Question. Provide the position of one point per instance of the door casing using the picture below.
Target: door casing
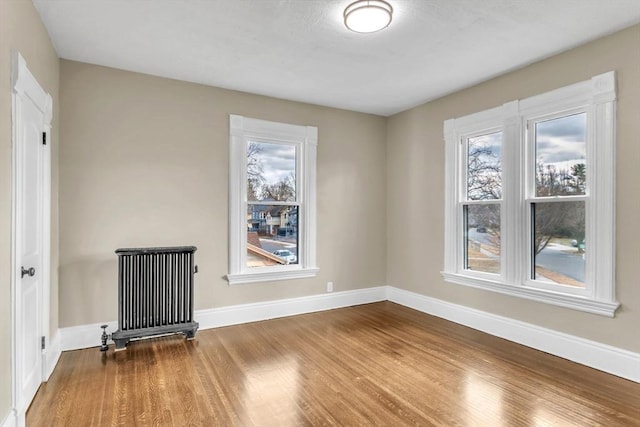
(25, 86)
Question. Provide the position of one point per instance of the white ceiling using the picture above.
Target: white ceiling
(300, 49)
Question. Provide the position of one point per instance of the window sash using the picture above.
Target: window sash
(530, 144)
(463, 253)
(585, 291)
(299, 173)
(465, 166)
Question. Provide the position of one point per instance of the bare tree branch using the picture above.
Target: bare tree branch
(484, 170)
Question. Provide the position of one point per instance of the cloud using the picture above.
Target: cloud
(560, 149)
(570, 128)
(561, 140)
(278, 161)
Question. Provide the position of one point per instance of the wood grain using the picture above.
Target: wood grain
(377, 364)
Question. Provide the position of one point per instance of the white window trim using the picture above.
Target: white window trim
(597, 96)
(305, 138)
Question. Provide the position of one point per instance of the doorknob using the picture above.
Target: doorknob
(29, 272)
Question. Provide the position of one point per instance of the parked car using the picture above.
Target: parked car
(285, 231)
(481, 229)
(287, 255)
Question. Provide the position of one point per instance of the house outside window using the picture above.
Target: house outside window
(530, 197)
(272, 226)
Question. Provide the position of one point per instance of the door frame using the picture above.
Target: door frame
(25, 86)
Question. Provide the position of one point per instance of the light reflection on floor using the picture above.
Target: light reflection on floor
(484, 401)
(271, 393)
(545, 418)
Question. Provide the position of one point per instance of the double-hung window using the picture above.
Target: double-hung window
(530, 197)
(272, 212)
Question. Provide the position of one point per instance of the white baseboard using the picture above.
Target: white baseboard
(9, 419)
(244, 313)
(616, 361)
(52, 355)
(85, 336)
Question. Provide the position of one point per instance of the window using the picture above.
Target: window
(271, 200)
(530, 197)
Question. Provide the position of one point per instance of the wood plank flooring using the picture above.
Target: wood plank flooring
(377, 364)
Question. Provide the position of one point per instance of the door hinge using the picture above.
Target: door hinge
(42, 346)
(44, 138)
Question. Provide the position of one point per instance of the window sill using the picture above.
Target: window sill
(269, 276)
(603, 308)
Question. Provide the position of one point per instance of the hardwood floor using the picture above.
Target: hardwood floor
(377, 364)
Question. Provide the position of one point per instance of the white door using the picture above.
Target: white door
(30, 224)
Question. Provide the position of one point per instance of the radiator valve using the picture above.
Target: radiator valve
(104, 338)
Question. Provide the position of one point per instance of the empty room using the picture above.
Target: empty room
(320, 212)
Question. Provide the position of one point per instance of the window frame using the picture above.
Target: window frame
(596, 97)
(242, 130)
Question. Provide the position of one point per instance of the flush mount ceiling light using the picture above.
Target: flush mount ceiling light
(368, 16)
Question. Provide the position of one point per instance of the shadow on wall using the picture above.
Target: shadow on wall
(88, 290)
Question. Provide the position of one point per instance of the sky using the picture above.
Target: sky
(562, 142)
(278, 161)
(559, 142)
(492, 141)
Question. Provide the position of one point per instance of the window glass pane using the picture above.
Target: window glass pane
(482, 226)
(558, 242)
(561, 156)
(271, 172)
(272, 235)
(484, 167)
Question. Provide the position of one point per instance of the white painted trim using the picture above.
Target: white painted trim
(84, 336)
(265, 276)
(52, 355)
(238, 314)
(616, 361)
(46, 240)
(24, 85)
(535, 294)
(512, 214)
(451, 176)
(305, 139)
(9, 419)
(597, 98)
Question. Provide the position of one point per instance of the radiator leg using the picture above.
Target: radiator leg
(191, 333)
(121, 343)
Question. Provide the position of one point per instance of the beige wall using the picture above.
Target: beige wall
(415, 202)
(144, 162)
(22, 30)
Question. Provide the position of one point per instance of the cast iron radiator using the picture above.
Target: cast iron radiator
(155, 293)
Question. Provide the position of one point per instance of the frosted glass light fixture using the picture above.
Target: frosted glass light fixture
(368, 16)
